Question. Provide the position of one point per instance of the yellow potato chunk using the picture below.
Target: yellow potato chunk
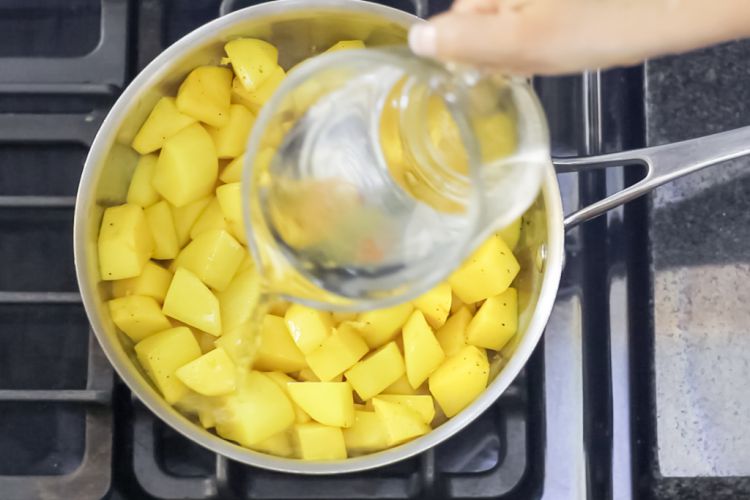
(229, 197)
(239, 299)
(319, 442)
(240, 343)
(511, 233)
(213, 374)
(435, 304)
(210, 219)
(187, 167)
(309, 327)
(495, 322)
(422, 351)
(279, 444)
(214, 256)
(340, 317)
(346, 45)
(258, 410)
(206, 94)
(152, 282)
(338, 353)
(255, 99)
(330, 403)
(140, 191)
(377, 371)
(230, 139)
(489, 271)
(206, 417)
(421, 404)
(164, 121)
(138, 316)
(233, 171)
(452, 335)
(125, 243)
(205, 340)
(161, 354)
(185, 216)
(277, 350)
(282, 379)
(161, 225)
(400, 386)
(253, 60)
(380, 326)
(190, 301)
(367, 434)
(460, 379)
(400, 422)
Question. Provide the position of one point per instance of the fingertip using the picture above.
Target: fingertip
(423, 39)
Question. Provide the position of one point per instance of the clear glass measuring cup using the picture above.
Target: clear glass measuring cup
(371, 174)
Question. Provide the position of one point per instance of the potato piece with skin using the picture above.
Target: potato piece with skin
(460, 379)
(230, 139)
(377, 371)
(152, 282)
(239, 299)
(282, 379)
(511, 233)
(489, 271)
(140, 191)
(279, 444)
(422, 351)
(435, 304)
(210, 219)
(161, 225)
(380, 326)
(233, 171)
(161, 354)
(400, 422)
(452, 335)
(330, 403)
(346, 45)
(319, 442)
(253, 60)
(367, 434)
(125, 243)
(206, 94)
(338, 353)
(138, 316)
(190, 301)
(214, 256)
(309, 327)
(255, 99)
(422, 405)
(277, 350)
(186, 216)
(212, 374)
(164, 121)
(495, 322)
(187, 167)
(258, 410)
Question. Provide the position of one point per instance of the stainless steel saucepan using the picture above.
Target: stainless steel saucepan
(299, 28)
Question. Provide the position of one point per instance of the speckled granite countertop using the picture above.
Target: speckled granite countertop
(700, 235)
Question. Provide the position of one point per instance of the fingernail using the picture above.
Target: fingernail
(423, 39)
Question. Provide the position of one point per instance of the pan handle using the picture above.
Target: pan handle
(663, 164)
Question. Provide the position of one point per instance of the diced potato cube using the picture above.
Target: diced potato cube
(125, 243)
(161, 354)
(190, 301)
(452, 335)
(340, 317)
(230, 139)
(239, 299)
(258, 410)
(422, 351)
(152, 282)
(319, 442)
(400, 386)
(381, 325)
(253, 60)
(460, 379)
(214, 256)
(330, 403)
(511, 233)
(213, 374)
(164, 121)
(161, 225)
(457, 304)
(377, 371)
(282, 379)
(367, 434)
(206, 94)
(309, 327)
(435, 304)
(186, 216)
(187, 167)
(307, 375)
(233, 171)
(489, 271)
(346, 45)
(240, 343)
(277, 350)
(140, 191)
(206, 417)
(338, 353)
(205, 341)
(279, 444)
(255, 99)
(400, 422)
(229, 197)
(495, 322)
(210, 219)
(138, 316)
(419, 403)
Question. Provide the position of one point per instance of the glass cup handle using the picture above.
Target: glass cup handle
(663, 164)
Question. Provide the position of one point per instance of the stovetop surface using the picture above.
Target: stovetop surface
(618, 401)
